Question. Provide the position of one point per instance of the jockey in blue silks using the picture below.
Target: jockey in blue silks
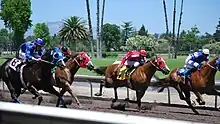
(194, 61)
(57, 55)
(32, 50)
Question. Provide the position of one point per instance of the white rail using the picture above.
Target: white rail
(33, 114)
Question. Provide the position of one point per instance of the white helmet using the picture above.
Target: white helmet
(205, 51)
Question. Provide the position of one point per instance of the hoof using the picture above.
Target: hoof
(114, 100)
(15, 101)
(193, 103)
(63, 106)
(98, 94)
(118, 106)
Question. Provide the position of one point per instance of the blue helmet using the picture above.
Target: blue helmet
(39, 42)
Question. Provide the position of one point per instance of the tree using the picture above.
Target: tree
(90, 28)
(217, 32)
(74, 29)
(30, 38)
(42, 31)
(126, 30)
(97, 31)
(102, 21)
(142, 31)
(16, 15)
(4, 39)
(191, 37)
(111, 36)
(138, 42)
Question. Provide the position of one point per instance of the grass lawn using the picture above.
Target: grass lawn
(172, 63)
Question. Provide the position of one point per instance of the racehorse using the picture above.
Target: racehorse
(34, 73)
(139, 80)
(202, 81)
(65, 77)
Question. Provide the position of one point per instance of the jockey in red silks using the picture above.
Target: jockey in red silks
(132, 60)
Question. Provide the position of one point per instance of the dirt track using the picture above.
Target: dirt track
(179, 112)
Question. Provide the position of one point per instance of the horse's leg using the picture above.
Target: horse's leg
(67, 88)
(139, 94)
(51, 90)
(61, 93)
(100, 89)
(116, 95)
(188, 100)
(199, 99)
(177, 87)
(12, 91)
(35, 93)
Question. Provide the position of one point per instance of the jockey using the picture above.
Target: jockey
(194, 60)
(59, 53)
(31, 50)
(133, 59)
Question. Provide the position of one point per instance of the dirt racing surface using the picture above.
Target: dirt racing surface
(159, 110)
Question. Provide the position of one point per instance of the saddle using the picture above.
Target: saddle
(125, 73)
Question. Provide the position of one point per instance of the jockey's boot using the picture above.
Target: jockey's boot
(128, 71)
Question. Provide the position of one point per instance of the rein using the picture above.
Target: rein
(211, 66)
(154, 65)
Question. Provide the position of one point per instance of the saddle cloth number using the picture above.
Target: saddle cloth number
(14, 63)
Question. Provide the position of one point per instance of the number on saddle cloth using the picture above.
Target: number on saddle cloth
(14, 63)
(182, 71)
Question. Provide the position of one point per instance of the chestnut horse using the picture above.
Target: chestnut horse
(65, 77)
(202, 81)
(139, 80)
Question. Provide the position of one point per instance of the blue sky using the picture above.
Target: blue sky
(203, 13)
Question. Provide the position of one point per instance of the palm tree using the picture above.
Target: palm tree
(180, 19)
(173, 37)
(167, 26)
(74, 28)
(97, 29)
(102, 19)
(127, 30)
(165, 14)
(90, 28)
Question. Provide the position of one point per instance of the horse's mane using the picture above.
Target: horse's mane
(47, 52)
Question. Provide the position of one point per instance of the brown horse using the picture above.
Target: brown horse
(202, 81)
(139, 79)
(64, 77)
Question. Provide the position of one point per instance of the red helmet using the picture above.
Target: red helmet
(143, 52)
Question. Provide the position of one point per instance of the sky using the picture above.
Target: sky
(202, 13)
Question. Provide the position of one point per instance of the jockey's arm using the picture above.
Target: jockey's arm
(28, 53)
(123, 60)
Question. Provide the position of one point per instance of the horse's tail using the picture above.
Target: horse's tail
(160, 84)
(100, 70)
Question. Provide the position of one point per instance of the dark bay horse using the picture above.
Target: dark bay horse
(202, 81)
(65, 77)
(139, 79)
(35, 73)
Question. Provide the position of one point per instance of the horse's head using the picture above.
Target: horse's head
(84, 61)
(160, 64)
